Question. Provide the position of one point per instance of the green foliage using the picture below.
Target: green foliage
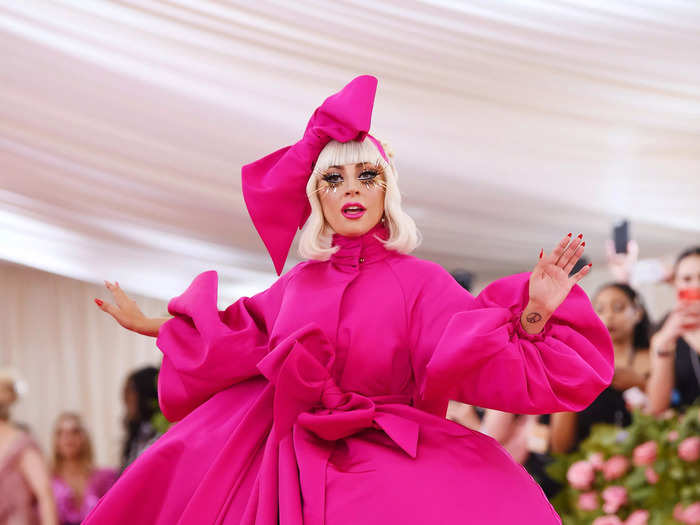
(160, 423)
(678, 480)
(158, 419)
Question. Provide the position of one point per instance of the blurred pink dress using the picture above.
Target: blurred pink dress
(322, 399)
(18, 505)
(98, 484)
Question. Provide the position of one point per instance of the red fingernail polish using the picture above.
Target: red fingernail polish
(99, 303)
(569, 235)
(583, 243)
(541, 252)
(590, 264)
(580, 236)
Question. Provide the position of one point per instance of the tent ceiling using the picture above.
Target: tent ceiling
(123, 126)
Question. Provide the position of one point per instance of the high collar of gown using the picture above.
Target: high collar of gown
(361, 250)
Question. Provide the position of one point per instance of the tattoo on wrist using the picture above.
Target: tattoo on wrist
(533, 317)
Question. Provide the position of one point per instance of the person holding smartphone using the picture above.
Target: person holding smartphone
(675, 347)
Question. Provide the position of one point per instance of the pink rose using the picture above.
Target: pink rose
(597, 460)
(691, 515)
(689, 449)
(673, 435)
(651, 475)
(607, 520)
(580, 475)
(588, 500)
(645, 454)
(669, 413)
(638, 517)
(615, 496)
(615, 467)
(679, 512)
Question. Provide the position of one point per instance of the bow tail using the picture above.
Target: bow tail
(313, 454)
(289, 489)
(292, 466)
(262, 508)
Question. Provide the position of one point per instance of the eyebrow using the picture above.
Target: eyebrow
(359, 164)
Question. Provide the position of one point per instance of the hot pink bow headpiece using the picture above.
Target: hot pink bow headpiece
(274, 187)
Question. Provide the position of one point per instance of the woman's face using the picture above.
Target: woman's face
(70, 438)
(688, 273)
(352, 197)
(617, 312)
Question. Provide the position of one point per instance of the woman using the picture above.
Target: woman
(620, 308)
(141, 403)
(323, 398)
(25, 486)
(675, 347)
(77, 484)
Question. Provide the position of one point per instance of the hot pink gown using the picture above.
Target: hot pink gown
(322, 399)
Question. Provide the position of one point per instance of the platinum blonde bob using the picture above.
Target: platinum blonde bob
(317, 235)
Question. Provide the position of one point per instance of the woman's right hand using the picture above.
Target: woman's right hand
(125, 310)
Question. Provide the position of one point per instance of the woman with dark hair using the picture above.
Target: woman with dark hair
(675, 347)
(620, 307)
(141, 401)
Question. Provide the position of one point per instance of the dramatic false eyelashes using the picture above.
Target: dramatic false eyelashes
(331, 178)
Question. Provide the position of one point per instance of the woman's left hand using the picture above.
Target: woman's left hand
(550, 282)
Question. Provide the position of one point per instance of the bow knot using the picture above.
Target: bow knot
(274, 187)
(306, 394)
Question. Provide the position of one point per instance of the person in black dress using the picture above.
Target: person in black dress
(675, 347)
(620, 308)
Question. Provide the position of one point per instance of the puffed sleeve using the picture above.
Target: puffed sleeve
(206, 350)
(476, 351)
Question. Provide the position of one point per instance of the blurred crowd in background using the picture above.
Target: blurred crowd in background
(657, 372)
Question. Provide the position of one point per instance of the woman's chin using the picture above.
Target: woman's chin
(351, 228)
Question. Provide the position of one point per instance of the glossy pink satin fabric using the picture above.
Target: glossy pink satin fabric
(321, 400)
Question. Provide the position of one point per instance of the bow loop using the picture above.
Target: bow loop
(306, 394)
(306, 399)
(274, 187)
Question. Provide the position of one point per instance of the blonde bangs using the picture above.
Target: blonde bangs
(353, 152)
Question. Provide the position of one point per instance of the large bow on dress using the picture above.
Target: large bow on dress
(274, 187)
(309, 413)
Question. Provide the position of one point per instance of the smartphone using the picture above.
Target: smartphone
(621, 236)
(689, 294)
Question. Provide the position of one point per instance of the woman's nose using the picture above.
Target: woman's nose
(353, 187)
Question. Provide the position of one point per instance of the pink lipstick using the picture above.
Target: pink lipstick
(353, 210)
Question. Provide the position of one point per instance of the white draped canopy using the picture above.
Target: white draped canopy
(123, 126)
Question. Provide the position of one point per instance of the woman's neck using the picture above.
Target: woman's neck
(623, 351)
(73, 467)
